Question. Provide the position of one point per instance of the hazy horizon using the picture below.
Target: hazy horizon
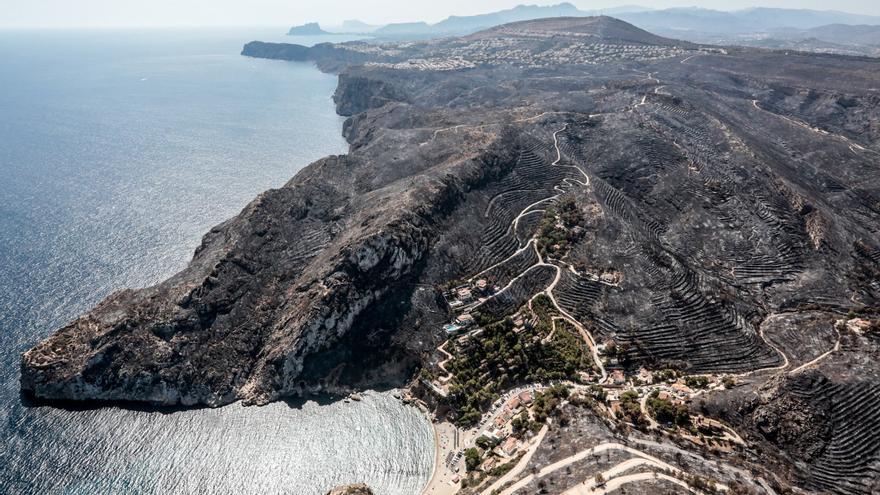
(20, 14)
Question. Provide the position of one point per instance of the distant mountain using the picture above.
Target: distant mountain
(621, 9)
(687, 20)
(815, 30)
(518, 13)
(462, 25)
(800, 19)
(842, 33)
(310, 29)
(356, 26)
(789, 29)
(698, 24)
(417, 29)
(689, 23)
(604, 28)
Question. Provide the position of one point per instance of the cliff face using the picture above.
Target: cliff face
(285, 278)
(358, 93)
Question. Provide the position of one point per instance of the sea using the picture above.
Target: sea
(118, 150)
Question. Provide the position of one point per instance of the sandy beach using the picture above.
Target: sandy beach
(441, 482)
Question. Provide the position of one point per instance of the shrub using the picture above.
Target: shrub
(668, 413)
(630, 407)
(485, 442)
(696, 381)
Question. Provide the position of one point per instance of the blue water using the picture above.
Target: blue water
(118, 150)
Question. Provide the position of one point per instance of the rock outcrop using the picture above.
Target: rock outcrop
(354, 489)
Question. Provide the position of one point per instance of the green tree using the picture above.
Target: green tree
(472, 459)
(520, 423)
(696, 381)
(485, 442)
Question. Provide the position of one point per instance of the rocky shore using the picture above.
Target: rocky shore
(285, 279)
(354, 489)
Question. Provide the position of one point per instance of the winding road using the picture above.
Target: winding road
(532, 243)
(616, 476)
(640, 458)
(853, 146)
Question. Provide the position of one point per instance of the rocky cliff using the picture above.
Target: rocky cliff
(285, 278)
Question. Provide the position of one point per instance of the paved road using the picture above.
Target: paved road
(589, 487)
(645, 458)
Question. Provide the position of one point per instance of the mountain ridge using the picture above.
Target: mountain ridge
(782, 28)
(604, 28)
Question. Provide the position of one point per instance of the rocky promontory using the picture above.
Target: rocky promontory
(308, 29)
(287, 277)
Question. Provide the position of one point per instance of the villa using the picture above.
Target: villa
(510, 446)
(464, 320)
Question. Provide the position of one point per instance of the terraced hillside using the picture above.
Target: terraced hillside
(823, 416)
(705, 211)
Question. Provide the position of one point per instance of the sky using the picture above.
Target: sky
(157, 13)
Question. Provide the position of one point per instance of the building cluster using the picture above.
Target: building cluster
(467, 295)
(437, 64)
(376, 49)
(518, 49)
(461, 299)
(501, 431)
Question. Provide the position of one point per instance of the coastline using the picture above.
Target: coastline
(136, 432)
(440, 481)
(437, 456)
